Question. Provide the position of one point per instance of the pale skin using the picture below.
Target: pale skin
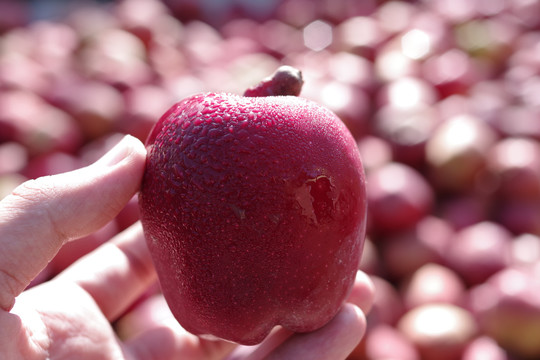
(71, 316)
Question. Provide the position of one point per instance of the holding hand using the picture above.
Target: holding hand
(70, 316)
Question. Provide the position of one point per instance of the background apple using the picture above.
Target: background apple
(440, 331)
(508, 309)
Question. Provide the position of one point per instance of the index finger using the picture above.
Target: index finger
(42, 214)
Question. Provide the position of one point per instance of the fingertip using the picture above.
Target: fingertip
(335, 340)
(128, 150)
(353, 319)
(363, 292)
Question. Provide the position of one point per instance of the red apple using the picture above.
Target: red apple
(254, 210)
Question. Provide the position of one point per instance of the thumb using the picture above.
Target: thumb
(42, 214)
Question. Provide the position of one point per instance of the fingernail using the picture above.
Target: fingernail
(118, 153)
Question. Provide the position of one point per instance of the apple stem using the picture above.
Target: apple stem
(286, 80)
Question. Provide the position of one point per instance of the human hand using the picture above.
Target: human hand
(72, 316)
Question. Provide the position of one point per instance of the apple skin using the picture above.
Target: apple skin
(254, 211)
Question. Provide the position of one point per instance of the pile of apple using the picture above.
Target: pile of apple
(443, 97)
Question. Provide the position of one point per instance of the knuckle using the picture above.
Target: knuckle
(35, 190)
(10, 287)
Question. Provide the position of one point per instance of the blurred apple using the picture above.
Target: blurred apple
(360, 35)
(508, 309)
(519, 216)
(392, 64)
(518, 120)
(465, 210)
(8, 183)
(152, 311)
(488, 98)
(452, 72)
(350, 103)
(489, 41)
(95, 106)
(525, 249)
(407, 130)
(96, 148)
(13, 14)
(116, 57)
(143, 107)
(129, 214)
(484, 348)
(18, 69)
(456, 153)
(50, 164)
(387, 305)
(369, 261)
(525, 11)
(515, 164)
(353, 69)
(395, 16)
(142, 18)
(385, 342)
(13, 157)
(37, 125)
(478, 251)
(75, 249)
(398, 197)
(375, 152)
(439, 331)
(407, 251)
(433, 283)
